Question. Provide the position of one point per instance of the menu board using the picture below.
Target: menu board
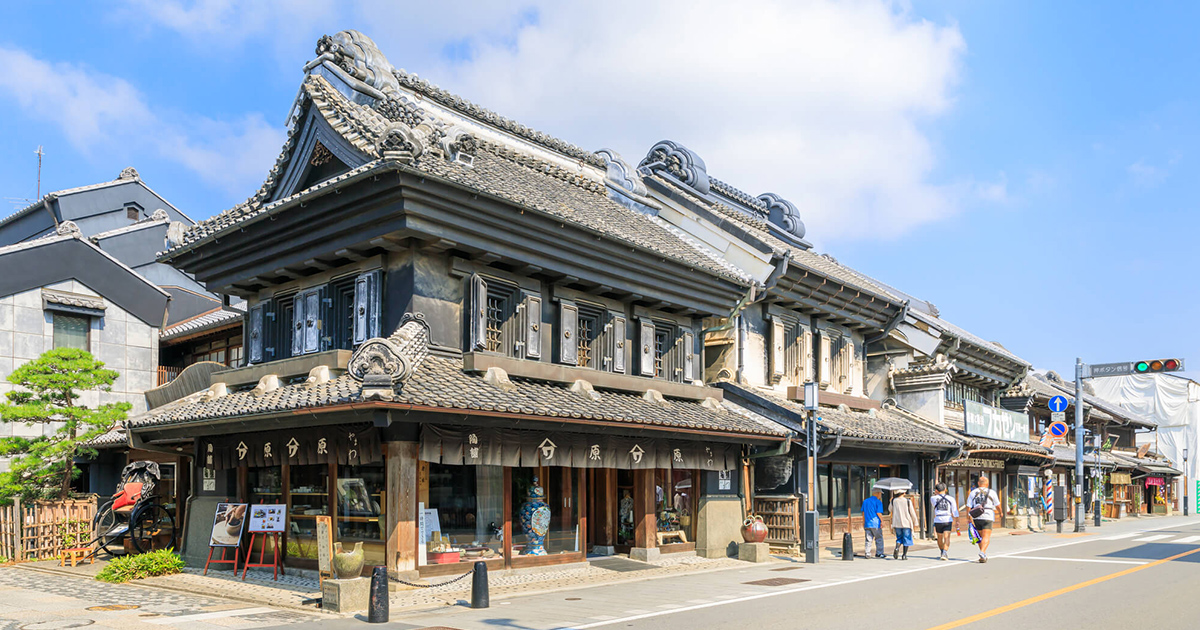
(227, 525)
(267, 517)
(325, 544)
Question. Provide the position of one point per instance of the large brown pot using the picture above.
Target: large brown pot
(754, 530)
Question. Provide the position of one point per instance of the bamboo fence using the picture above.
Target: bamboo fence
(42, 529)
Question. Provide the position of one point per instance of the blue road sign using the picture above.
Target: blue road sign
(1058, 403)
(1058, 429)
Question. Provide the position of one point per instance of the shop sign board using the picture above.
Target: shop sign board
(1154, 481)
(267, 518)
(325, 544)
(228, 523)
(996, 423)
(1120, 478)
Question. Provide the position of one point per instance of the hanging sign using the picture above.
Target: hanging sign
(1120, 478)
(1154, 481)
(228, 523)
(348, 445)
(324, 525)
(267, 518)
(996, 423)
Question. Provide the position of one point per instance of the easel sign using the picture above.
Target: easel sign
(228, 522)
(324, 547)
(266, 521)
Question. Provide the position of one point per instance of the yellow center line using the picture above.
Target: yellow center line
(1052, 594)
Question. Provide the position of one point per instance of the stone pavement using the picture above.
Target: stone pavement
(34, 599)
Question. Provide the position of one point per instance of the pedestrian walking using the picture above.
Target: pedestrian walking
(945, 515)
(981, 505)
(872, 507)
(904, 519)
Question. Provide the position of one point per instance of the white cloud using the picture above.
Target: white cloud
(103, 115)
(1145, 174)
(820, 102)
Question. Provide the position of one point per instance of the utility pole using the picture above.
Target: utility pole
(39, 153)
(1079, 526)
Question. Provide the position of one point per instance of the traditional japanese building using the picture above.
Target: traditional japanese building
(451, 323)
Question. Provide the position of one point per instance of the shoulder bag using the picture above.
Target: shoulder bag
(980, 502)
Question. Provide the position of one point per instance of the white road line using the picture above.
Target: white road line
(236, 612)
(1077, 560)
(1154, 538)
(813, 587)
(1123, 536)
(1188, 539)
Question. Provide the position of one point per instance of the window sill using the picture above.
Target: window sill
(337, 360)
(566, 374)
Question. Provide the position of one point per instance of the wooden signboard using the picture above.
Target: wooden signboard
(324, 547)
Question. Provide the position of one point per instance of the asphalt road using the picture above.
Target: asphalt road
(1088, 582)
(1119, 576)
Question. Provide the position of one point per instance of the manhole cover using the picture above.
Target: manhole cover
(776, 582)
(787, 568)
(57, 624)
(108, 607)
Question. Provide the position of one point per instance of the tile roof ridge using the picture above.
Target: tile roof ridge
(530, 161)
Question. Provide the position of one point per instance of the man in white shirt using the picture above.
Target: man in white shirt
(985, 499)
(945, 510)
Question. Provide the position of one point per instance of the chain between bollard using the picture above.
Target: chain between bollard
(457, 579)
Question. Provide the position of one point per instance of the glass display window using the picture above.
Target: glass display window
(676, 504)
(545, 512)
(361, 501)
(464, 517)
(309, 498)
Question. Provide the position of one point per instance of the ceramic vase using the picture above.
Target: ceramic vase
(348, 564)
(754, 530)
(535, 520)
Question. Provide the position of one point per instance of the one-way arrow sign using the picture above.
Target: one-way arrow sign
(1058, 404)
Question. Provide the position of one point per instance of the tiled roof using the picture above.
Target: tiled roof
(498, 170)
(954, 427)
(73, 299)
(967, 336)
(126, 176)
(216, 318)
(51, 239)
(132, 227)
(1062, 387)
(114, 437)
(440, 382)
(881, 424)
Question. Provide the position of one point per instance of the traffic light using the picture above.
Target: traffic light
(1153, 366)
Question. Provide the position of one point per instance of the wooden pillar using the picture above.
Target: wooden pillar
(644, 518)
(401, 505)
(606, 501)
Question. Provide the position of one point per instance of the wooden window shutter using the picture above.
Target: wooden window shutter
(326, 317)
(778, 347)
(367, 299)
(616, 341)
(255, 334)
(824, 358)
(312, 321)
(852, 377)
(531, 323)
(477, 313)
(568, 332)
(806, 355)
(688, 339)
(646, 346)
(298, 325)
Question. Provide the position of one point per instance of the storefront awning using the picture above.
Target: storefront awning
(505, 447)
(350, 445)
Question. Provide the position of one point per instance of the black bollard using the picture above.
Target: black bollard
(377, 610)
(1096, 513)
(479, 586)
(847, 546)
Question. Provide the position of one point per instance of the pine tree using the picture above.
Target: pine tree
(46, 396)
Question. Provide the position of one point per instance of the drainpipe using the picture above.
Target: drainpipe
(741, 350)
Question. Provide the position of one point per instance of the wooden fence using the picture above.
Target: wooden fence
(167, 373)
(42, 529)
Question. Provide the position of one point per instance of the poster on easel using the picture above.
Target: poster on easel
(267, 518)
(228, 523)
(324, 546)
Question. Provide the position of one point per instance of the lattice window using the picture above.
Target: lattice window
(497, 315)
(587, 334)
(662, 345)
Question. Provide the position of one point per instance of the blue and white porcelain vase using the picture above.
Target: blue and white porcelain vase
(535, 520)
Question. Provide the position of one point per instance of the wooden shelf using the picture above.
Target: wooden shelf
(358, 519)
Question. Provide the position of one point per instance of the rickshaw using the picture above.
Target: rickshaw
(134, 512)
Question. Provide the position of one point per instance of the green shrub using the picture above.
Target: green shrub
(155, 563)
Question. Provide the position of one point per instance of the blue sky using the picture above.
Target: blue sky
(1027, 167)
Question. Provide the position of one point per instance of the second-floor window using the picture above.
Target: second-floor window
(958, 393)
(666, 350)
(590, 335)
(338, 315)
(502, 318)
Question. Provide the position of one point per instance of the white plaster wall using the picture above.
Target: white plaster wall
(123, 342)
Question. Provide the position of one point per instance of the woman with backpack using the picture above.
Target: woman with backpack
(904, 519)
(945, 511)
(982, 504)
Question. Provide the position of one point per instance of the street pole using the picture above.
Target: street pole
(1185, 481)
(1079, 526)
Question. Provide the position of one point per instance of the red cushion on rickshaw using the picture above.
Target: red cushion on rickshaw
(129, 495)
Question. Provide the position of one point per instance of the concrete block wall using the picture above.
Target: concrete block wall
(123, 342)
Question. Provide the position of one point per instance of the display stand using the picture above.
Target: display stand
(324, 526)
(237, 551)
(276, 568)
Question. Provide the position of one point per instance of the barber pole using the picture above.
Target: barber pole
(1048, 496)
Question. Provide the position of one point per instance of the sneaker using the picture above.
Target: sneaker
(896, 553)
(881, 556)
(982, 559)
(944, 556)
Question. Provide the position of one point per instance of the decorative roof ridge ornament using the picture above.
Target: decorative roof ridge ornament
(128, 173)
(68, 228)
(679, 162)
(383, 364)
(620, 174)
(399, 142)
(460, 145)
(783, 213)
(358, 56)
